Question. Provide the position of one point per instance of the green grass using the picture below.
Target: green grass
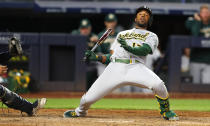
(149, 104)
(146, 104)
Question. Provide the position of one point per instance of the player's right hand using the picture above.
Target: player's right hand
(91, 56)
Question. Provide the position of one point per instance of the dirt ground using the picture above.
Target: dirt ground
(54, 117)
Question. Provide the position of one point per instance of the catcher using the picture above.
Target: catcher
(9, 98)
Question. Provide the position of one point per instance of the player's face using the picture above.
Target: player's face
(205, 14)
(85, 31)
(111, 24)
(142, 19)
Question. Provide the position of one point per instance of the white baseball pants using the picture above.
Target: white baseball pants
(117, 75)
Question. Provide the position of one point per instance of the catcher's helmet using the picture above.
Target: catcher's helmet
(148, 10)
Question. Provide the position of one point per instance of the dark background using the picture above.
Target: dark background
(25, 20)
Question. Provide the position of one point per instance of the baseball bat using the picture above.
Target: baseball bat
(101, 40)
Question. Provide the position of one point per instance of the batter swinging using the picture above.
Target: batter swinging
(127, 67)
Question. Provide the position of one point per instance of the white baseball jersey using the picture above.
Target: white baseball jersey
(134, 37)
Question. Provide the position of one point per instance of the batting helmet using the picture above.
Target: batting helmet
(148, 10)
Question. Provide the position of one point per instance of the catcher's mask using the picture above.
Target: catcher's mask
(149, 11)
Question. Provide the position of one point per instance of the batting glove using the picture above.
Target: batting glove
(91, 56)
(124, 44)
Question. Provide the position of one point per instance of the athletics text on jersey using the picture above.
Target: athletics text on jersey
(134, 37)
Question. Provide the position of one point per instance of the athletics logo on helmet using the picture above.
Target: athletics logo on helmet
(148, 10)
(85, 23)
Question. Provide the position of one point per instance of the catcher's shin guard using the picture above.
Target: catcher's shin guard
(165, 109)
(13, 100)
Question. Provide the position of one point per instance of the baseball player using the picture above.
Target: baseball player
(9, 98)
(199, 25)
(110, 21)
(126, 67)
(85, 29)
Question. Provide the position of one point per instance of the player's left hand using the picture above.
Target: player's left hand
(122, 42)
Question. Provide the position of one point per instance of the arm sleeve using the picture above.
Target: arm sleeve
(143, 50)
(193, 25)
(153, 42)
